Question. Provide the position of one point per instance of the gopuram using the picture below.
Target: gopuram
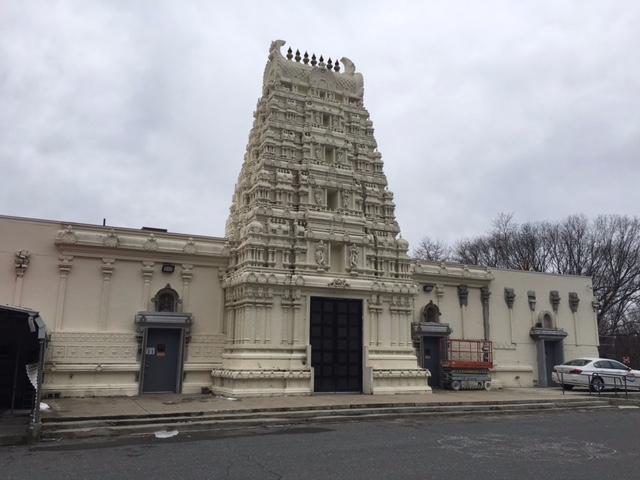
(314, 244)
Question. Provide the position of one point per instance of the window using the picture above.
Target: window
(166, 300)
(431, 313)
(166, 303)
(332, 199)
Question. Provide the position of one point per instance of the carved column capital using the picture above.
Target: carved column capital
(22, 260)
(463, 295)
(147, 269)
(531, 298)
(485, 295)
(574, 301)
(107, 268)
(186, 272)
(509, 297)
(554, 299)
(65, 262)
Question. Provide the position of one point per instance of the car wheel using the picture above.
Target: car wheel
(597, 384)
(456, 385)
(567, 387)
(487, 385)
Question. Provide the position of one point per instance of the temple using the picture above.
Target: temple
(310, 290)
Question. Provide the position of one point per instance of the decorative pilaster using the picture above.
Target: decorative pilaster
(509, 298)
(147, 274)
(439, 294)
(187, 275)
(463, 299)
(574, 302)
(531, 299)
(554, 299)
(23, 257)
(107, 272)
(64, 268)
(485, 295)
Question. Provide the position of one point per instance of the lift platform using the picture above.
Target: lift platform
(465, 364)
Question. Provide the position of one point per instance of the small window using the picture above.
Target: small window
(166, 300)
(547, 321)
(332, 199)
(166, 303)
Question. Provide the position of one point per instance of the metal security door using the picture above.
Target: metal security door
(431, 358)
(336, 344)
(161, 360)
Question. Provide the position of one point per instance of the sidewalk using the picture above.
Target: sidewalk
(160, 404)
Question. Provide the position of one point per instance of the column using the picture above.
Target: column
(107, 272)
(147, 274)
(64, 267)
(187, 276)
(485, 294)
(463, 298)
(509, 298)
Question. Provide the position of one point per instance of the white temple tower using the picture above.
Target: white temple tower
(318, 293)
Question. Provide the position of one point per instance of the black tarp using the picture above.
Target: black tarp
(22, 343)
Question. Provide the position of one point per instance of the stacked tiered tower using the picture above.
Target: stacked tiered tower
(312, 216)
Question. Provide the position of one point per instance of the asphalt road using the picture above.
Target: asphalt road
(583, 445)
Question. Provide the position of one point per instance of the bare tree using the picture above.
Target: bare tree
(606, 249)
(432, 250)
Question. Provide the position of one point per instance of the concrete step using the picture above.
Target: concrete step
(51, 418)
(220, 421)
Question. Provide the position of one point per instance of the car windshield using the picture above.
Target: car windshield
(581, 362)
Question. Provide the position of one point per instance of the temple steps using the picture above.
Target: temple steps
(146, 425)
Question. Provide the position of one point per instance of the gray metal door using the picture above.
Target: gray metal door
(431, 358)
(162, 358)
(553, 356)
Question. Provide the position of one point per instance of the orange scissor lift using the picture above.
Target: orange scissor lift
(465, 364)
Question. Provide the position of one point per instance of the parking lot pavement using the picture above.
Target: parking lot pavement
(576, 445)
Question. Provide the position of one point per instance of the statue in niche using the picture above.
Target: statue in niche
(321, 250)
(340, 156)
(346, 199)
(354, 254)
(317, 148)
(317, 196)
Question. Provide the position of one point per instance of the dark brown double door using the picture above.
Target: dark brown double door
(336, 344)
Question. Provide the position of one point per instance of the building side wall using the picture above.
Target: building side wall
(88, 296)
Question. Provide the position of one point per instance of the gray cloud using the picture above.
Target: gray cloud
(140, 111)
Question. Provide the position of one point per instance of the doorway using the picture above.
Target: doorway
(553, 355)
(162, 360)
(431, 358)
(336, 344)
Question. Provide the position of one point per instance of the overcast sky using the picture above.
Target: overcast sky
(139, 111)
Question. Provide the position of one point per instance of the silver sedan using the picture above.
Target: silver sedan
(595, 373)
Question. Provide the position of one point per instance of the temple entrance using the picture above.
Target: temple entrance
(336, 344)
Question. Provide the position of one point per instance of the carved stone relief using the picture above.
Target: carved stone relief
(531, 298)
(509, 297)
(574, 301)
(554, 299)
